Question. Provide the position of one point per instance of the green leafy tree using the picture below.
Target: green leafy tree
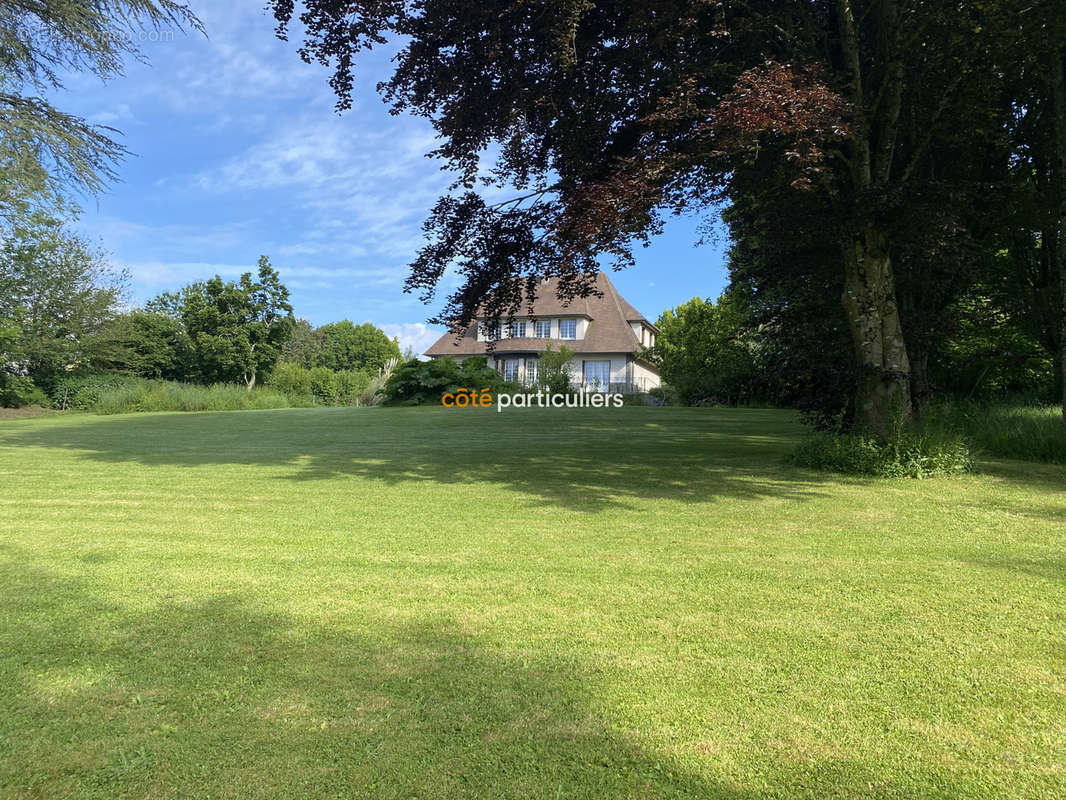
(237, 328)
(304, 346)
(58, 292)
(555, 369)
(153, 345)
(16, 387)
(706, 352)
(346, 346)
(989, 353)
(41, 147)
(608, 114)
(786, 271)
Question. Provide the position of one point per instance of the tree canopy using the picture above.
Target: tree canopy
(706, 353)
(888, 114)
(346, 346)
(236, 328)
(42, 148)
(57, 296)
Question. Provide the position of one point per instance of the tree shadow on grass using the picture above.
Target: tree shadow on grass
(1052, 568)
(216, 696)
(1032, 474)
(1049, 480)
(583, 460)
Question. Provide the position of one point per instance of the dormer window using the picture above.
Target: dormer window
(518, 329)
(542, 329)
(568, 329)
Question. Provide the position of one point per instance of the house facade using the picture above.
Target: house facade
(606, 334)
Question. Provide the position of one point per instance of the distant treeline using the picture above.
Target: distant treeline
(63, 319)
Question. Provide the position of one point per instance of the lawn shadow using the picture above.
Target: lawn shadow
(1033, 474)
(215, 695)
(1052, 568)
(582, 460)
(1047, 479)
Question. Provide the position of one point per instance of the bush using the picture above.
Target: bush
(903, 455)
(374, 393)
(18, 390)
(293, 381)
(319, 386)
(83, 392)
(123, 394)
(417, 382)
(665, 394)
(554, 369)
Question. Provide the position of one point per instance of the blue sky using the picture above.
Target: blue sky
(239, 152)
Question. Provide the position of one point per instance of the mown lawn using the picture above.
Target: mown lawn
(435, 603)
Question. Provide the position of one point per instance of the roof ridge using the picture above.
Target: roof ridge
(618, 306)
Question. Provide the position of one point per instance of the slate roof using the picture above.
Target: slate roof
(607, 332)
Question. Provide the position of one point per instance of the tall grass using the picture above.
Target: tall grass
(1003, 430)
(170, 396)
(123, 394)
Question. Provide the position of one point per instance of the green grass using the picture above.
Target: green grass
(431, 603)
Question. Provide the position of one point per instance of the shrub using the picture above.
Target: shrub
(554, 370)
(83, 392)
(374, 393)
(415, 382)
(903, 455)
(664, 394)
(319, 385)
(292, 380)
(19, 390)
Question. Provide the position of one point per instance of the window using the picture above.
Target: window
(510, 369)
(490, 332)
(531, 372)
(518, 329)
(543, 329)
(568, 329)
(598, 375)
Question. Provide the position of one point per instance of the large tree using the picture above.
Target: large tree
(236, 328)
(606, 113)
(58, 292)
(151, 344)
(347, 346)
(303, 346)
(709, 351)
(42, 148)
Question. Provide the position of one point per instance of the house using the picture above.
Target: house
(606, 334)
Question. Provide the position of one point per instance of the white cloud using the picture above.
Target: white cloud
(116, 115)
(364, 192)
(162, 275)
(418, 336)
(176, 274)
(120, 233)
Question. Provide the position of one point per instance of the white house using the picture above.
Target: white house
(606, 334)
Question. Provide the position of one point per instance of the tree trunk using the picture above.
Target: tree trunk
(250, 381)
(883, 394)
